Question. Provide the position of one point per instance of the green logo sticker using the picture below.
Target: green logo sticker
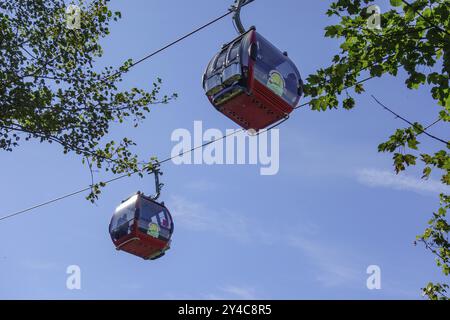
(276, 82)
(153, 230)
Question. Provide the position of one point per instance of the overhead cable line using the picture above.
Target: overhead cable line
(116, 178)
(421, 130)
(150, 55)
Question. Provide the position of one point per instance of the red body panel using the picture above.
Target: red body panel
(141, 244)
(257, 110)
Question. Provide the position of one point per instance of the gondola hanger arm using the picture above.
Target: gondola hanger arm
(236, 8)
(156, 170)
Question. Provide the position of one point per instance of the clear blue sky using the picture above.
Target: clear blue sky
(308, 232)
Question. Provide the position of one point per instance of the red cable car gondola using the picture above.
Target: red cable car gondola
(142, 226)
(251, 81)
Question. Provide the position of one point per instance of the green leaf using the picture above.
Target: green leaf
(396, 3)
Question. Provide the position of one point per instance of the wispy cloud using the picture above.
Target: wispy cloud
(201, 186)
(333, 269)
(38, 265)
(233, 292)
(228, 292)
(388, 179)
(198, 217)
(240, 292)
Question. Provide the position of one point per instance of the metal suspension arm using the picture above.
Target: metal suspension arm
(237, 14)
(158, 186)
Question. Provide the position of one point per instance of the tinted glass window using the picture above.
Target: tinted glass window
(234, 51)
(221, 60)
(211, 66)
(245, 47)
(276, 71)
(154, 220)
(123, 218)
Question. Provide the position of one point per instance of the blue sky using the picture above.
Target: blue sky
(308, 232)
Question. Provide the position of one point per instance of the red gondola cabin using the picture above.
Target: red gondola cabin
(142, 227)
(252, 82)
